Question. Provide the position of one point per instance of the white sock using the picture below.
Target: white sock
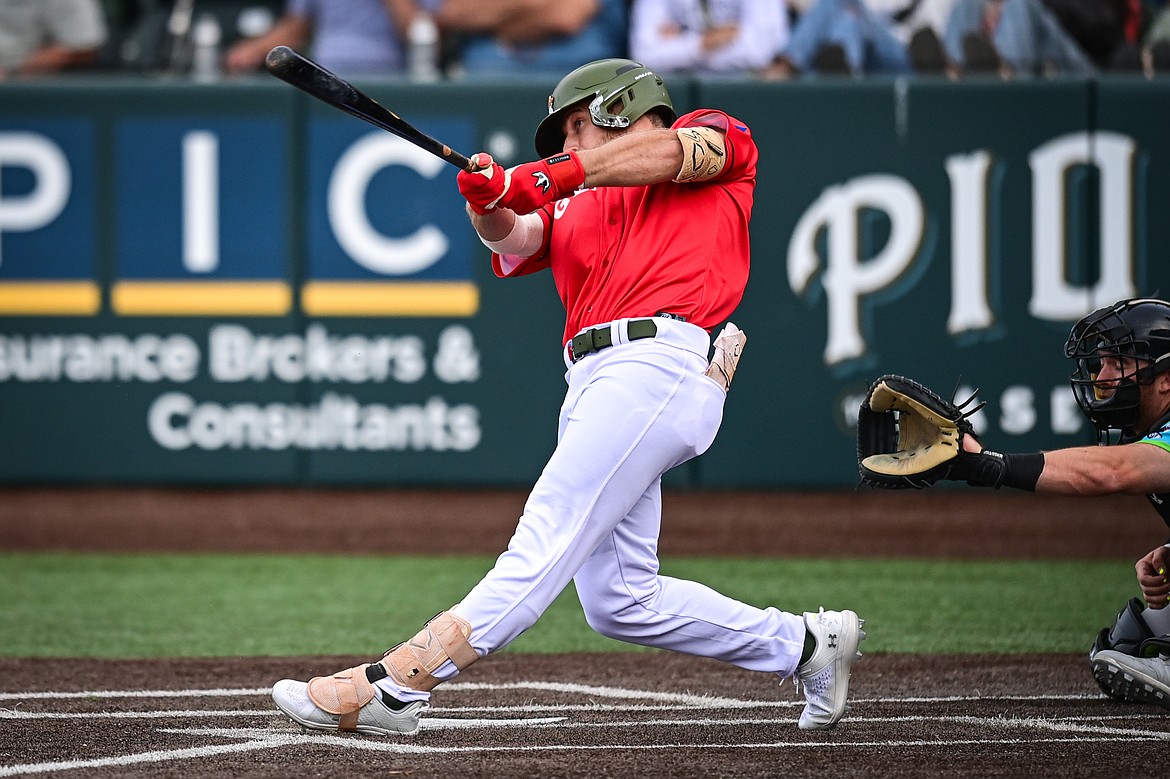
(1158, 620)
(398, 692)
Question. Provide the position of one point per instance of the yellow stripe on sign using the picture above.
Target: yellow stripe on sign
(55, 298)
(390, 298)
(201, 298)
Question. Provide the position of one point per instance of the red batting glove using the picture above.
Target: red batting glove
(523, 188)
(483, 188)
(534, 184)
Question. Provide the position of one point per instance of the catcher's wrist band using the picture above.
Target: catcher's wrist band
(1023, 470)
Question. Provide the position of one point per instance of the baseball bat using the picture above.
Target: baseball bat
(304, 74)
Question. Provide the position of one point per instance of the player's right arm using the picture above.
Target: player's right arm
(513, 238)
(499, 228)
(494, 225)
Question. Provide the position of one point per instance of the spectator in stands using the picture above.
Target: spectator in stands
(861, 37)
(1107, 31)
(531, 37)
(1155, 52)
(920, 25)
(39, 37)
(348, 37)
(707, 36)
(1013, 38)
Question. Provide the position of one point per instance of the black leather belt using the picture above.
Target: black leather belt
(598, 338)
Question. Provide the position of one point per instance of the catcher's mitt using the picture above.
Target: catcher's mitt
(908, 436)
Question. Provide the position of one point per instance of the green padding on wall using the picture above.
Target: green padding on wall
(234, 284)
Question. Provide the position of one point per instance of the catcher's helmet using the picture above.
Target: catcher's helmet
(1138, 329)
(622, 91)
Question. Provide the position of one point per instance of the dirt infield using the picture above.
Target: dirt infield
(645, 715)
(950, 524)
(582, 715)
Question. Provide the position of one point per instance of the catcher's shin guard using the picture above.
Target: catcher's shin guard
(1126, 635)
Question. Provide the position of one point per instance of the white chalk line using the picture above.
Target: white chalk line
(106, 694)
(271, 741)
(581, 689)
(255, 739)
(529, 708)
(441, 723)
(263, 740)
(577, 689)
(164, 714)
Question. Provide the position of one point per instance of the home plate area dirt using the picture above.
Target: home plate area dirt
(646, 714)
(623, 715)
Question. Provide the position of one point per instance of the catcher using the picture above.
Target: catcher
(909, 437)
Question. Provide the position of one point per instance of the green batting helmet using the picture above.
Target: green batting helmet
(622, 91)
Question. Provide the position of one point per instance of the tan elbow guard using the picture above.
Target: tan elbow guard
(704, 154)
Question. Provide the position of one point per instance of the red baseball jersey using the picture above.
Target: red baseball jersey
(683, 249)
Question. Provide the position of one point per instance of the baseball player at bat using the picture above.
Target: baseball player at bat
(1122, 384)
(642, 218)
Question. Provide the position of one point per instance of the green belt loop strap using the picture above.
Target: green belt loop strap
(598, 338)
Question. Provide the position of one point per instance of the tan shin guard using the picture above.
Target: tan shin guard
(444, 638)
(410, 664)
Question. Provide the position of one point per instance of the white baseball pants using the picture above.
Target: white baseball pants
(632, 412)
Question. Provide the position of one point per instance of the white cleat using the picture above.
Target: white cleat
(1133, 679)
(825, 676)
(376, 718)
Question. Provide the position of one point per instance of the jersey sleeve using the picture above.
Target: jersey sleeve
(1159, 438)
(741, 148)
(507, 265)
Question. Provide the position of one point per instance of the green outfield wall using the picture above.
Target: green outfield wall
(232, 284)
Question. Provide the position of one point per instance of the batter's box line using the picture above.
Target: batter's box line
(1059, 724)
(690, 699)
(1071, 724)
(255, 740)
(586, 708)
(260, 739)
(104, 694)
(591, 691)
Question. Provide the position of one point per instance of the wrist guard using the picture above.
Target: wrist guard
(995, 469)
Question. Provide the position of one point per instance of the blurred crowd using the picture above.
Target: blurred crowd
(467, 39)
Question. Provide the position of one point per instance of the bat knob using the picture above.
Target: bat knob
(280, 59)
(471, 164)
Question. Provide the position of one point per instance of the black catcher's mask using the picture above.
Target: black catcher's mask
(1135, 331)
